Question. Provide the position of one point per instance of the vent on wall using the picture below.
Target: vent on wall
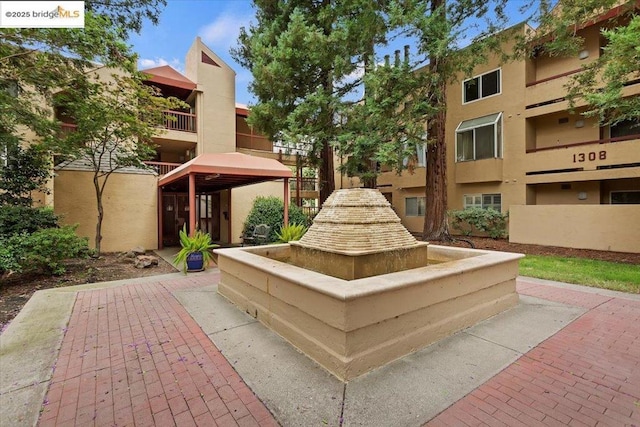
(207, 60)
(563, 120)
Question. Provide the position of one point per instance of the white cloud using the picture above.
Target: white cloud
(145, 63)
(223, 32)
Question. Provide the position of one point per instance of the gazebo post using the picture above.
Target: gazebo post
(286, 201)
(192, 204)
(160, 219)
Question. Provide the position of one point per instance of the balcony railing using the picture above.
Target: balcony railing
(576, 144)
(307, 184)
(162, 168)
(176, 120)
(253, 141)
(67, 128)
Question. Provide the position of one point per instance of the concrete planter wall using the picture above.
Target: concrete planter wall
(352, 327)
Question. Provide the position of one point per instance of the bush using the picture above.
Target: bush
(43, 251)
(489, 221)
(270, 211)
(291, 232)
(23, 219)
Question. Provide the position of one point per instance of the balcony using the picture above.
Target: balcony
(176, 120)
(67, 128)
(307, 184)
(610, 158)
(162, 168)
(253, 141)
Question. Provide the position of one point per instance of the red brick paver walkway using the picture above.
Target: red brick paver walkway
(588, 374)
(133, 356)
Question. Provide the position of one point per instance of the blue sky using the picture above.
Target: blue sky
(218, 23)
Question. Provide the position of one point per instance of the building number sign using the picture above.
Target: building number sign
(590, 156)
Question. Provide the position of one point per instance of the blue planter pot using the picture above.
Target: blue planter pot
(195, 261)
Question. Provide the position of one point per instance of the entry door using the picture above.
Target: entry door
(175, 214)
(209, 214)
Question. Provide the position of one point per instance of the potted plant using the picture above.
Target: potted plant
(195, 254)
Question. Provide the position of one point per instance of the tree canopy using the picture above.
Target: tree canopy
(320, 75)
(37, 62)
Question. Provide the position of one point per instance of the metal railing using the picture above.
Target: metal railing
(176, 120)
(307, 184)
(162, 168)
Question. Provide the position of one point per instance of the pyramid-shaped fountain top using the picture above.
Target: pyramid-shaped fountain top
(357, 221)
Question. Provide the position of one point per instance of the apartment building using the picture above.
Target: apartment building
(514, 145)
(209, 167)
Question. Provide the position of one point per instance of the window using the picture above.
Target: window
(625, 197)
(625, 128)
(480, 138)
(484, 201)
(414, 206)
(481, 86)
(421, 150)
(421, 156)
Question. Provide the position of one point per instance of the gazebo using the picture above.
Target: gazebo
(212, 172)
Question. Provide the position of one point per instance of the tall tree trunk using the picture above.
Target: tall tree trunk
(96, 185)
(435, 219)
(327, 177)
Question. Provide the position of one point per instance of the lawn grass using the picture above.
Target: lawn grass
(581, 271)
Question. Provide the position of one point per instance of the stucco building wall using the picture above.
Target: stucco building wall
(130, 208)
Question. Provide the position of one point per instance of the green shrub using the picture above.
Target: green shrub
(43, 251)
(270, 211)
(470, 220)
(23, 219)
(291, 232)
(9, 257)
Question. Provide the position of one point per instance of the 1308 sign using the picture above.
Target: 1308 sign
(591, 156)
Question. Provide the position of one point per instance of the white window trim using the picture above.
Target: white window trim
(481, 196)
(496, 143)
(480, 97)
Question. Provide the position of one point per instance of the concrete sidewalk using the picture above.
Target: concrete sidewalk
(168, 350)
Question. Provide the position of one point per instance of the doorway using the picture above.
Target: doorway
(175, 207)
(175, 215)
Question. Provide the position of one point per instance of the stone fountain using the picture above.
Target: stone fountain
(358, 290)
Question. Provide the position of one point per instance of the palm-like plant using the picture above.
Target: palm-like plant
(291, 232)
(198, 242)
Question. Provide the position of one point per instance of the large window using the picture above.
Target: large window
(484, 201)
(479, 138)
(414, 206)
(481, 86)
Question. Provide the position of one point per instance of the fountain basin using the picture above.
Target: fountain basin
(353, 326)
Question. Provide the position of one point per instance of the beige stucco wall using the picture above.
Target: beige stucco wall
(130, 202)
(547, 66)
(242, 201)
(601, 227)
(504, 176)
(215, 100)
